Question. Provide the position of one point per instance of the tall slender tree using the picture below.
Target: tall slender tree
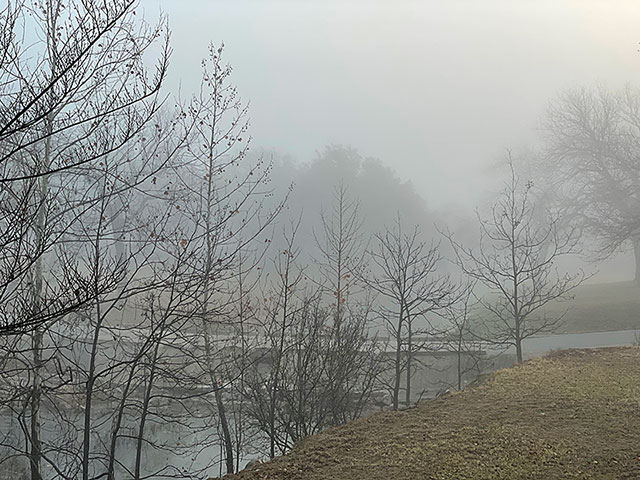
(224, 204)
(515, 259)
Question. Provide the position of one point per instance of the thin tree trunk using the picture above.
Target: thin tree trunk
(143, 421)
(409, 359)
(636, 255)
(398, 372)
(238, 422)
(145, 411)
(117, 424)
(516, 298)
(35, 453)
(209, 230)
(276, 373)
(226, 433)
(276, 380)
(224, 423)
(86, 438)
(460, 360)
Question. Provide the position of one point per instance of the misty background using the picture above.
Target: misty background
(438, 91)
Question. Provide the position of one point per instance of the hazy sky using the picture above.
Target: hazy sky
(436, 89)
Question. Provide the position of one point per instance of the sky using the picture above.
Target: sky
(439, 90)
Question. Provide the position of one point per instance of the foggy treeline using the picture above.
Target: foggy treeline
(174, 302)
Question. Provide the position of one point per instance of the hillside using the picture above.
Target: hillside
(601, 307)
(573, 415)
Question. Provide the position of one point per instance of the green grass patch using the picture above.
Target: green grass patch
(595, 308)
(601, 308)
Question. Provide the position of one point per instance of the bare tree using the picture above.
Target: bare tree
(515, 260)
(311, 365)
(593, 144)
(341, 249)
(304, 379)
(224, 205)
(282, 316)
(111, 255)
(246, 326)
(77, 95)
(405, 274)
(108, 260)
(67, 104)
(461, 336)
(82, 173)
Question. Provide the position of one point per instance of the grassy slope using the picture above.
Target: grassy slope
(598, 308)
(573, 415)
(602, 307)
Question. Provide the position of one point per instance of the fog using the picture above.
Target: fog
(432, 88)
(438, 91)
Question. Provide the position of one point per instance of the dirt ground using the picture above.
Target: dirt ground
(572, 415)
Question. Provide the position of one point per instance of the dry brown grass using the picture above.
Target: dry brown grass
(572, 415)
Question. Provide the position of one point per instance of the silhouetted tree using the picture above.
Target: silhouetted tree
(515, 259)
(593, 145)
(76, 95)
(224, 204)
(405, 274)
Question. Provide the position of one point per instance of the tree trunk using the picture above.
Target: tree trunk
(145, 408)
(226, 433)
(35, 453)
(409, 358)
(117, 424)
(519, 350)
(398, 373)
(88, 403)
(636, 254)
(459, 360)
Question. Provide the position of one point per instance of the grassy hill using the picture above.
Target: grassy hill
(572, 415)
(596, 308)
(601, 307)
